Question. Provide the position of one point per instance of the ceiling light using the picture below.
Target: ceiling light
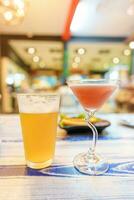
(116, 60)
(13, 12)
(31, 50)
(77, 59)
(36, 59)
(131, 45)
(75, 65)
(127, 52)
(81, 51)
(42, 64)
(8, 15)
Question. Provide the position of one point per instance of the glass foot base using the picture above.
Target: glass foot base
(39, 165)
(90, 164)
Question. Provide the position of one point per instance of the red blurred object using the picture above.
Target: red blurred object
(66, 33)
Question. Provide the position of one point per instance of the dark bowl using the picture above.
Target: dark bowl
(100, 126)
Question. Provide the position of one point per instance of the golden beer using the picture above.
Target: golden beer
(39, 135)
(38, 117)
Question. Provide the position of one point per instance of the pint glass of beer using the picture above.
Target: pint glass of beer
(38, 117)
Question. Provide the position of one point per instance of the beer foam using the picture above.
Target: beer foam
(38, 103)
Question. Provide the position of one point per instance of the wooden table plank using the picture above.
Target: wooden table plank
(41, 188)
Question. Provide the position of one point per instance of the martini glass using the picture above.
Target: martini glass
(92, 94)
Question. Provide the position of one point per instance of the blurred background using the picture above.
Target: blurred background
(44, 43)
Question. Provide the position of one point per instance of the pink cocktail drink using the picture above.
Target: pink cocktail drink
(92, 96)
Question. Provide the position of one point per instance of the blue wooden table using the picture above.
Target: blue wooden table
(61, 180)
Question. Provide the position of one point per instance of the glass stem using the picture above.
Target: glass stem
(91, 150)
